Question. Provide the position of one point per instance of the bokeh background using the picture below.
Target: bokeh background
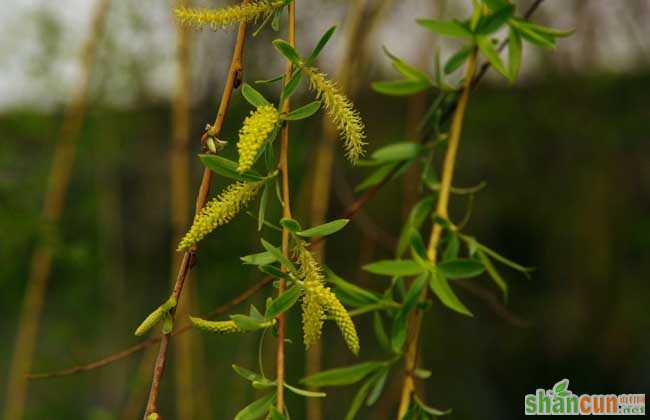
(564, 152)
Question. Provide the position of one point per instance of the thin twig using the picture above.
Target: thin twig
(415, 320)
(286, 211)
(232, 81)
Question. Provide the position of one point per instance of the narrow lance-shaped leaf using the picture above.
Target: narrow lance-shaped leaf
(256, 409)
(491, 54)
(461, 268)
(440, 286)
(325, 229)
(320, 45)
(343, 376)
(446, 28)
(303, 112)
(514, 53)
(394, 267)
(253, 97)
(284, 302)
(400, 87)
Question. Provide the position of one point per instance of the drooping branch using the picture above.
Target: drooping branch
(286, 212)
(415, 320)
(232, 81)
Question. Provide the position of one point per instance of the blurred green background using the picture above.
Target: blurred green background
(564, 153)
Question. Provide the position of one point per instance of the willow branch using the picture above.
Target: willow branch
(442, 212)
(41, 262)
(232, 81)
(286, 212)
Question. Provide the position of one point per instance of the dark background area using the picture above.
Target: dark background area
(565, 157)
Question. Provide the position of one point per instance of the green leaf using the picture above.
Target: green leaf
(349, 293)
(397, 152)
(457, 60)
(321, 43)
(398, 334)
(440, 286)
(253, 96)
(407, 70)
(228, 168)
(461, 268)
(494, 274)
(287, 50)
(422, 373)
(274, 414)
(376, 176)
(430, 410)
(343, 376)
(325, 229)
(358, 399)
(514, 53)
(418, 248)
(279, 256)
(380, 331)
(256, 409)
(304, 392)
(261, 258)
(491, 54)
(498, 257)
(378, 387)
(272, 271)
(451, 28)
(303, 112)
(291, 224)
(492, 23)
(544, 30)
(400, 87)
(292, 85)
(530, 34)
(394, 267)
(284, 301)
(248, 374)
(248, 323)
(453, 246)
(264, 201)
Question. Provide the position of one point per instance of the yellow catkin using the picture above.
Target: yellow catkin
(219, 211)
(318, 299)
(342, 113)
(254, 131)
(220, 327)
(154, 317)
(220, 18)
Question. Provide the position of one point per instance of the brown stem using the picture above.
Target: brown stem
(179, 178)
(286, 212)
(234, 74)
(59, 180)
(415, 321)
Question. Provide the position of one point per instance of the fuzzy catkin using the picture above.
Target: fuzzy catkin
(154, 317)
(220, 327)
(256, 128)
(220, 18)
(219, 211)
(341, 111)
(318, 300)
